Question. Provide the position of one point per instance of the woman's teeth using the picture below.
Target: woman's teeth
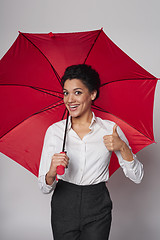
(73, 107)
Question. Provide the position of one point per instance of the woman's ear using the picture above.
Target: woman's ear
(93, 95)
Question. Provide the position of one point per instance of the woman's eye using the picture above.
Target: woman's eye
(65, 93)
(78, 92)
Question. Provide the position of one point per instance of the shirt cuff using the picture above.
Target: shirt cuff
(132, 169)
(45, 188)
(129, 164)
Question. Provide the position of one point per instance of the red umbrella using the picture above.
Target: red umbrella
(31, 94)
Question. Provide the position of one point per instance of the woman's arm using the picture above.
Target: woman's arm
(49, 162)
(45, 162)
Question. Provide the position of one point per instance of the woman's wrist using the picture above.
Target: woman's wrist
(49, 179)
(126, 152)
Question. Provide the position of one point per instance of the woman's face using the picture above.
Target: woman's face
(77, 97)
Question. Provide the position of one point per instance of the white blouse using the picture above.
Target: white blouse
(88, 158)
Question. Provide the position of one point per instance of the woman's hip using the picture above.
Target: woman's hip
(80, 202)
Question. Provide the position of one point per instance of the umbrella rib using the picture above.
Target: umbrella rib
(129, 79)
(56, 74)
(42, 110)
(93, 45)
(102, 110)
(64, 113)
(35, 88)
(47, 108)
(44, 91)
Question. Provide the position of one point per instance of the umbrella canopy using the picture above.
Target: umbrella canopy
(31, 97)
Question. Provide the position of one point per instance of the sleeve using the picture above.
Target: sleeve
(132, 169)
(46, 156)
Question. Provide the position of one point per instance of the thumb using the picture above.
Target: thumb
(115, 129)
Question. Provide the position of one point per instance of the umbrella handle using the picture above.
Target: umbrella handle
(60, 168)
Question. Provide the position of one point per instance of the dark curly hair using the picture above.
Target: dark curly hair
(86, 74)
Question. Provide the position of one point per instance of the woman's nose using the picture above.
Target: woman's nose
(70, 98)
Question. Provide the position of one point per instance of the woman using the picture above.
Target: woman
(81, 205)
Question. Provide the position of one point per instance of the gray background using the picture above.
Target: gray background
(134, 26)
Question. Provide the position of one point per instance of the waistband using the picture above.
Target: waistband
(88, 188)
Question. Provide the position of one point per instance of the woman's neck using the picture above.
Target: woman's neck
(82, 120)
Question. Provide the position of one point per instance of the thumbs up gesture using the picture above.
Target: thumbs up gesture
(113, 142)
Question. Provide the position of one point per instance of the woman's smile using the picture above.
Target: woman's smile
(73, 107)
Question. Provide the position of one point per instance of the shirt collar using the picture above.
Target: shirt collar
(94, 119)
(69, 123)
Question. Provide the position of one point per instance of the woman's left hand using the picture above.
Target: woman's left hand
(113, 142)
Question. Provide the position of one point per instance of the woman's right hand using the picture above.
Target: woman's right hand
(57, 159)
